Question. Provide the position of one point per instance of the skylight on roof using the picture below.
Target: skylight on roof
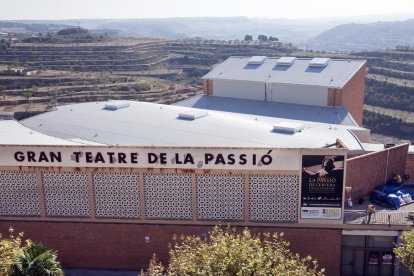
(319, 62)
(288, 127)
(257, 59)
(286, 61)
(115, 105)
(191, 115)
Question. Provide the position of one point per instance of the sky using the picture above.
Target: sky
(293, 9)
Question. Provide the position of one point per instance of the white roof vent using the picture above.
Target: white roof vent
(191, 115)
(257, 60)
(319, 62)
(288, 127)
(115, 105)
(285, 61)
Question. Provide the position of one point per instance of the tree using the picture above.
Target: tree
(248, 38)
(9, 247)
(262, 38)
(3, 94)
(226, 252)
(27, 93)
(36, 259)
(405, 250)
(272, 38)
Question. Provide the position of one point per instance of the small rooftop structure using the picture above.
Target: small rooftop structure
(288, 127)
(257, 60)
(191, 115)
(319, 62)
(285, 61)
(115, 105)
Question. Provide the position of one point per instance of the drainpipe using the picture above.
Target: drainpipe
(386, 167)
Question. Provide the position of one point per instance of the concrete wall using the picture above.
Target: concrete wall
(365, 172)
(123, 246)
(239, 89)
(299, 94)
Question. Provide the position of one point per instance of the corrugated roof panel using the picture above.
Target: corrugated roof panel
(336, 75)
(321, 114)
(14, 133)
(146, 124)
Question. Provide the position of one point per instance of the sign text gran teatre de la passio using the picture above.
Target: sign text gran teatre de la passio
(186, 158)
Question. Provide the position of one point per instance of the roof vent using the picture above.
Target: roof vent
(285, 61)
(288, 127)
(115, 105)
(257, 60)
(319, 62)
(191, 115)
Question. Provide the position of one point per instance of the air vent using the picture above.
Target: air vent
(319, 62)
(288, 127)
(115, 105)
(191, 115)
(285, 61)
(257, 60)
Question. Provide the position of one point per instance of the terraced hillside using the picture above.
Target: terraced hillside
(167, 71)
(146, 70)
(389, 94)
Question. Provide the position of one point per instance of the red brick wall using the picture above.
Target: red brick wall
(409, 168)
(352, 95)
(334, 98)
(208, 87)
(122, 246)
(365, 172)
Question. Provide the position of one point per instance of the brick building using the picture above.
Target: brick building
(92, 179)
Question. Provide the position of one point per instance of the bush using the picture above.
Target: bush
(9, 247)
(226, 252)
(405, 250)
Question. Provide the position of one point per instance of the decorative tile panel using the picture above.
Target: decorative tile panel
(18, 194)
(274, 198)
(220, 197)
(66, 194)
(116, 195)
(168, 196)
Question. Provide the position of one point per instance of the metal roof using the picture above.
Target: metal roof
(371, 147)
(14, 133)
(148, 124)
(335, 75)
(321, 114)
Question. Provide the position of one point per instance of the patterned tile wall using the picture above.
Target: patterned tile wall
(116, 195)
(274, 198)
(168, 196)
(18, 194)
(66, 194)
(220, 197)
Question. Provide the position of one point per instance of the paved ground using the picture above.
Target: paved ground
(93, 272)
(384, 216)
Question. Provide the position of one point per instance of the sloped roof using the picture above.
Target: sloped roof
(335, 75)
(148, 124)
(320, 114)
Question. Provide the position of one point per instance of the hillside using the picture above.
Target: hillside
(372, 36)
(295, 31)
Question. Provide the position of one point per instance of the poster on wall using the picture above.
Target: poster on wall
(322, 186)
